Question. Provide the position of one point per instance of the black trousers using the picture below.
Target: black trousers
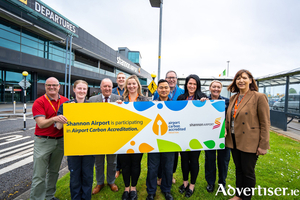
(190, 164)
(131, 168)
(159, 175)
(244, 170)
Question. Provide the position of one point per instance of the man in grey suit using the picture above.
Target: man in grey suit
(106, 96)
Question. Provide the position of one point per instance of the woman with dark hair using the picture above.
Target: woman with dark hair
(190, 159)
(247, 129)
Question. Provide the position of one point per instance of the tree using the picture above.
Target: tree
(292, 91)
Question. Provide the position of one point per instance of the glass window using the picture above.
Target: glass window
(294, 95)
(29, 42)
(29, 35)
(16, 77)
(9, 27)
(274, 89)
(10, 45)
(143, 81)
(29, 50)
(9, 35)
(134, 57)
(56, 58)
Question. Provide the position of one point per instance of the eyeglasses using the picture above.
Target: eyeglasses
(170, 78)
(53, 85)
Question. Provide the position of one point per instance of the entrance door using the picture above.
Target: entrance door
(13, 93)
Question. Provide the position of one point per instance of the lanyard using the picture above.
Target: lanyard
(235, 105)
(52, 104)
(174, 93)
(190, 99)
(135, 98)
(118, 92)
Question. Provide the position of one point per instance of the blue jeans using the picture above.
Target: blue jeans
(81, 176)
(223, 157)
(166, 160)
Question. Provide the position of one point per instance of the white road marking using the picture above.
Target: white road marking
(14, 140)
(16, 150)
(13, 147)
(16, 165)
(16, 156)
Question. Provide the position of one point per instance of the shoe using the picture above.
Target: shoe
(182, 189)
(117, 174)
(113, 187)
(133, 195)
(150, 197)
(54, 198)
(168, 196)
(125, 195)
(189, 192)
(97, 189)
(210, 188)
(159, 181)
(173, 180)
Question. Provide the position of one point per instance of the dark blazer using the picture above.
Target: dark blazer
(251, 124)
(98, 98)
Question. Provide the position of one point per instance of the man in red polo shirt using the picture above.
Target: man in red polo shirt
(48, 142)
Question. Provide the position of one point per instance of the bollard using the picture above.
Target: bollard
(14, 107)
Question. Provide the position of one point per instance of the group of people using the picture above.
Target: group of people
(246, 136)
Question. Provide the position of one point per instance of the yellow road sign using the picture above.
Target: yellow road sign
(152, 87)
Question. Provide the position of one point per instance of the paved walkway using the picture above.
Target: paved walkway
(7, 110)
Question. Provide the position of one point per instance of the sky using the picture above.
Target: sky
(198, 36)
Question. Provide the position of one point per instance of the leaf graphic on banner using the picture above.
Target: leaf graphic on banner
(195, 144)
(167, 146)
(210, 144)
(145, 148)
(222, 132)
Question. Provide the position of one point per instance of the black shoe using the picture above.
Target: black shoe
(54, 198)
(150, 197)
(182, 189)
(168, 196)
(189, 192)
(133, 195)
(125, 195)
(210, 188)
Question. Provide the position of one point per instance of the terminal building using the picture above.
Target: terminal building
(37, 39)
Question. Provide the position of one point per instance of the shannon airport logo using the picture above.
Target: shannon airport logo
(215, 125)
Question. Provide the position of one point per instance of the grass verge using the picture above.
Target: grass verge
(280, 168)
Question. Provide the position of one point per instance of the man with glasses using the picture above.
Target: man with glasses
(175, 91)
(48, 142)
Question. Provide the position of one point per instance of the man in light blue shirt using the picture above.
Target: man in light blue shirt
(175, 91)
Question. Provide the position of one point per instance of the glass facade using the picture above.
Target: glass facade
(20, 39)
(16, 38)
(135, 57)
(274, 89)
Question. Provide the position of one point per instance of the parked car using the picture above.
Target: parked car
(293, 104)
